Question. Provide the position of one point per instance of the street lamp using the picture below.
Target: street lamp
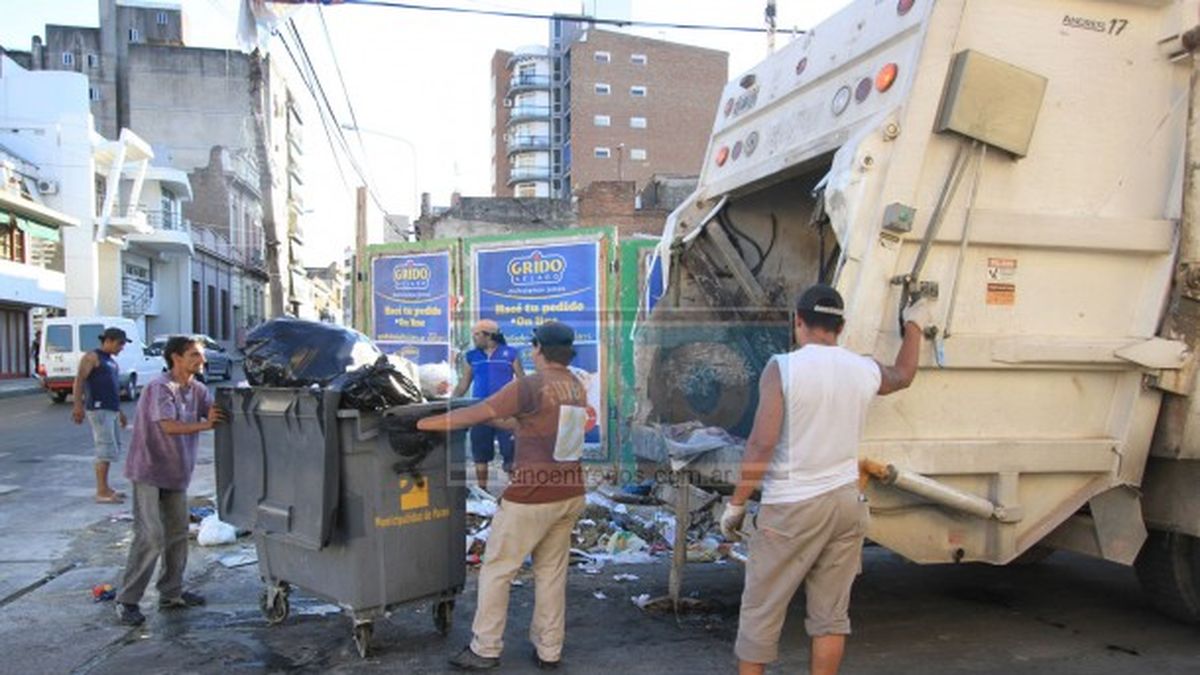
(416, 199)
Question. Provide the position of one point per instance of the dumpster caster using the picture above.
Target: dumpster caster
(362, 637)
(443, 616)
(273, 601)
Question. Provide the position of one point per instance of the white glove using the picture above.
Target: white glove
(731, 521)
(918, 313)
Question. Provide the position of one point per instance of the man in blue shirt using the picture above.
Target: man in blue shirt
(97, 393)
(490, 366)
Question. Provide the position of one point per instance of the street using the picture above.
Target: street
(1068, 614)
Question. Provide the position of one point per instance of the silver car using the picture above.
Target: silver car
(217, 360)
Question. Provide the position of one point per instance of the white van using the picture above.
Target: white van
(66, 339)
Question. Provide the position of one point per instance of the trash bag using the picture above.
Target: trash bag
(288, 352)
(377, 387)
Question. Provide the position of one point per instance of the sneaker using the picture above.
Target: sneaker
(543, 664)
(186, 599)
(130, 615)
(469, 660)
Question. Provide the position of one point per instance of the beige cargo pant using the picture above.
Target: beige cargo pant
(518, 531)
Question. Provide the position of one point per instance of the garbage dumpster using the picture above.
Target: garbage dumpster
(355, 507)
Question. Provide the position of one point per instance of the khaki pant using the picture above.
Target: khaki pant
(518, 531)
(160, 530)
(817, 542)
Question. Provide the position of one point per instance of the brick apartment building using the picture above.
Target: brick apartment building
(616, 107)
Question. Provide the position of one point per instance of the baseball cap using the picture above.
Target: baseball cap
(823, 299)
(554, 334)
(114, 334)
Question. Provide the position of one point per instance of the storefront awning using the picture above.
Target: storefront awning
(36, 229)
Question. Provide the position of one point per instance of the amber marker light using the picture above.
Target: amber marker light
(886, 77)
(722, 155)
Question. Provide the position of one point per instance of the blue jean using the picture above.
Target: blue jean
(483, 445)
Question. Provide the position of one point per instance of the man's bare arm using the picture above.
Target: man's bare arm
(900, 375)
(86, 364)
(458, 419)
(764, 436)
(465, 382)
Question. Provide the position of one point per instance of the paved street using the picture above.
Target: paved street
(1066, 615)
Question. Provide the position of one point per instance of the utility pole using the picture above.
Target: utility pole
(261, 108)
(362, 273)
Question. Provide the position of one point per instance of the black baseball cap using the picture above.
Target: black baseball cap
(113, 333)
(553, 334)
(822, 299)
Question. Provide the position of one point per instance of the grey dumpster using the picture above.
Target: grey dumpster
(355, 507)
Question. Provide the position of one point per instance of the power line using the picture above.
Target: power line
(580, 18)
(345, 92)
(333, 147)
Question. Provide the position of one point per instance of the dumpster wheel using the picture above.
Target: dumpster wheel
(362, 637)
(274, 603)
(443, 616)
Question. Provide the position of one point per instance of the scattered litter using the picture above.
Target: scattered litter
(323, 609)
(518, 582)
(239, 559)
(599, 595)
(625, 577)
(242, 384)
(197, 514)
(103, 592)
(626, 541)
(121, 516)
(437, 380)
(214, 532)
(480, 502)
(640, 600)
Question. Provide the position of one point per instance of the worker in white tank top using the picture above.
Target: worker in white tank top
(803, 451)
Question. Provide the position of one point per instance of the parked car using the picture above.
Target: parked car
(217, 361)
(67, 338)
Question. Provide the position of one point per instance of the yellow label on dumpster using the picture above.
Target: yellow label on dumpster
(414, 494)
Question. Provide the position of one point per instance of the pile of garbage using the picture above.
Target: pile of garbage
(613, 532)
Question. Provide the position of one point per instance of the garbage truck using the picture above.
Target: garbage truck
(1029, 167)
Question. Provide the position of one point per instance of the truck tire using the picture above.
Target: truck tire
(58, 396)
(1168, 568)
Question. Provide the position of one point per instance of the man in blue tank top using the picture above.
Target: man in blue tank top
(97, 392)
(490, 366)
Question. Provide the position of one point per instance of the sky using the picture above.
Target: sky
(423, 77)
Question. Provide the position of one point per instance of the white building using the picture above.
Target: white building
(527, 136)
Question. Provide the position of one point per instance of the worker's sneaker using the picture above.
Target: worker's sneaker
(130, 615)
(543, 664)
(186, 599)
(469, 660)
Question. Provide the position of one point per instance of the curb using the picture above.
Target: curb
(14, 393)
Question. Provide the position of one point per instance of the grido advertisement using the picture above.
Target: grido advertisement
(520, 288)
(411, 305)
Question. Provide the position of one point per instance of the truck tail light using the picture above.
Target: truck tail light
(886, 77)
(722, 155)
(903, 6)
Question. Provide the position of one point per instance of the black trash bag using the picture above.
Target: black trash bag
(376, 387)
(288, 352)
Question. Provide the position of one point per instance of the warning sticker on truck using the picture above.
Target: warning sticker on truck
(1002, 269)
(1002, 294)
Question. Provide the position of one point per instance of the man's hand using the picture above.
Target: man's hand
(919, 313)
(215, 416)
(121, 419)
(77, 413)
(731, 521)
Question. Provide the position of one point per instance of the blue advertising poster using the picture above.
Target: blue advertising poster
(520, 288)
(410, 302)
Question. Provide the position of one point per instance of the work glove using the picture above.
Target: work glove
(731, 521)
(918, 313)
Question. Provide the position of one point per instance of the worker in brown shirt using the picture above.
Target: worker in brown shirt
(538, 510)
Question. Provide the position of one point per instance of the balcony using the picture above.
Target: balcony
(525, 113)
(520, 83)
(161, 232)
(138, 298)
(524, 143)
(527, 174)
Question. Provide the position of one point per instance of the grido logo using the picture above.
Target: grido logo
(411, 276)
(535, 269)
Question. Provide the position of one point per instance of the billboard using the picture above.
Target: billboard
(411, 305)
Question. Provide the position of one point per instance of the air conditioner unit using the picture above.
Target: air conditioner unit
(47, 187)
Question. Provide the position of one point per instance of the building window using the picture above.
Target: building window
(526, 190)
(637, 59)
(161, 18)
(93, 94)
(637, 90)
(92, 60)
(602, 153)
(602, 120)
(134, 35)
(637, 154)
(226, 317)
(603, 89)
(68, 59)
(637, 122)
(212, 310)
(602, 57)
(12, 241)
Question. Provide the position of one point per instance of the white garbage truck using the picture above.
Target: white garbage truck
(1028, 166)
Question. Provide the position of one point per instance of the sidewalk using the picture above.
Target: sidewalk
(23, 386)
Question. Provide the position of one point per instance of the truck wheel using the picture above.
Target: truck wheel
(130, 392)
(58, 396)
(1168, 568)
